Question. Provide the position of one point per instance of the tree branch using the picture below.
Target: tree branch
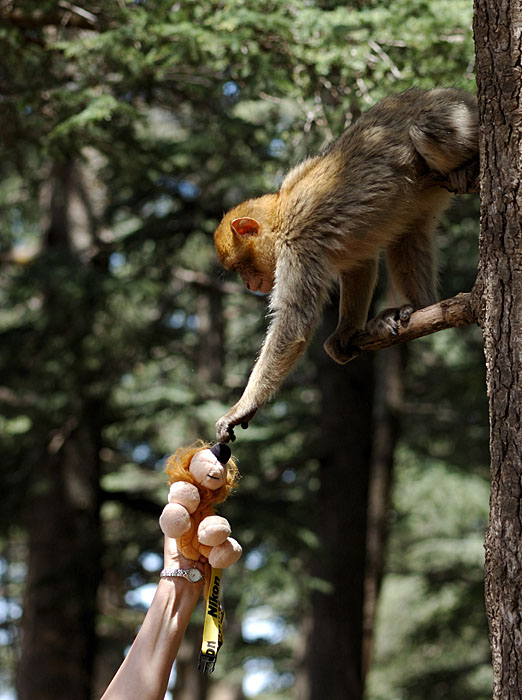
(202, 280)
(135, 502)
(72, 16)
(450, 313)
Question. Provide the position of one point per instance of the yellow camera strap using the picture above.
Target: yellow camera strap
(213, 625)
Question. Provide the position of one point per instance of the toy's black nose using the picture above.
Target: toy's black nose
(221, 451)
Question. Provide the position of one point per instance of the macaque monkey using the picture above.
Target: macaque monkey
(373, 189)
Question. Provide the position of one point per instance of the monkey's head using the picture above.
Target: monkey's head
(245, 242)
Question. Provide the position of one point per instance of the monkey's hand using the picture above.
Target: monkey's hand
(339, 345)
(389, 321)
(235, 416)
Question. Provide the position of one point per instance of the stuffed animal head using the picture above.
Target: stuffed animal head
(208, 467)
(211, 469)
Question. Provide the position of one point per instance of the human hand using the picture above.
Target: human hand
(173, 559)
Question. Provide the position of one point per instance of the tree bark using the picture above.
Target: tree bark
(62, 500)
(498, 299)
(58, 635)
(72, 16)
(333, 658)
(210, 359)
(450, 313)
(388, 402)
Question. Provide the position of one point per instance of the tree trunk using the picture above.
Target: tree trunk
(190, 683)
(62, 500)
(388, 399)
(210, 330)
(498, 298)
(63, 573)
(333, 658)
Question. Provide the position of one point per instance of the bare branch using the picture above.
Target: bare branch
(72, 17)
(78, 11)
(135, 502)
(202, 280)
(450, 313)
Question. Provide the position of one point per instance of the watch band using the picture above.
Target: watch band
(192, 575)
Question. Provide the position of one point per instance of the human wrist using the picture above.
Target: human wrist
(180, 588)
(191, 573)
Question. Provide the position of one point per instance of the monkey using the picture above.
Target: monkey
(373, 189)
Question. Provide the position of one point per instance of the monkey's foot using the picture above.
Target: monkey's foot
(340, 348)
(389, 321)
(462, 180)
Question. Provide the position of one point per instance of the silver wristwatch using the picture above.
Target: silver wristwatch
(192, 575)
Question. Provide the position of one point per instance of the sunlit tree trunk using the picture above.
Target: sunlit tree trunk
(498, 297)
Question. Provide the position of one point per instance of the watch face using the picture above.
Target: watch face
(194, 575)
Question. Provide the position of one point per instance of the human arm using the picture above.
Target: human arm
(145, 671)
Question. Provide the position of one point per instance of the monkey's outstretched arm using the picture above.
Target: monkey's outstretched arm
(277, 357)
(296, 302)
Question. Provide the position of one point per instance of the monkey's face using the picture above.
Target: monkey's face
(244, 244)
(255, 281)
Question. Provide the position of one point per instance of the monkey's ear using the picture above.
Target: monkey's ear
(245, 226)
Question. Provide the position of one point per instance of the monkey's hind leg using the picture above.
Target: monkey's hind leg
(355, 294)
(412, 269)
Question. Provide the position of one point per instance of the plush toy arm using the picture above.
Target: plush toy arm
(174, 520)
(183, 500)
(185, 494)
(213, 530)
(225, 554)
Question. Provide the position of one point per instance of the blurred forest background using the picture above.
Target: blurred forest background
(127, 129)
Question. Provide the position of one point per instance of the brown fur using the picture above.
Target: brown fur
(369, 191)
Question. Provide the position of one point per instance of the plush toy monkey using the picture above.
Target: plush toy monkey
(200, 476)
